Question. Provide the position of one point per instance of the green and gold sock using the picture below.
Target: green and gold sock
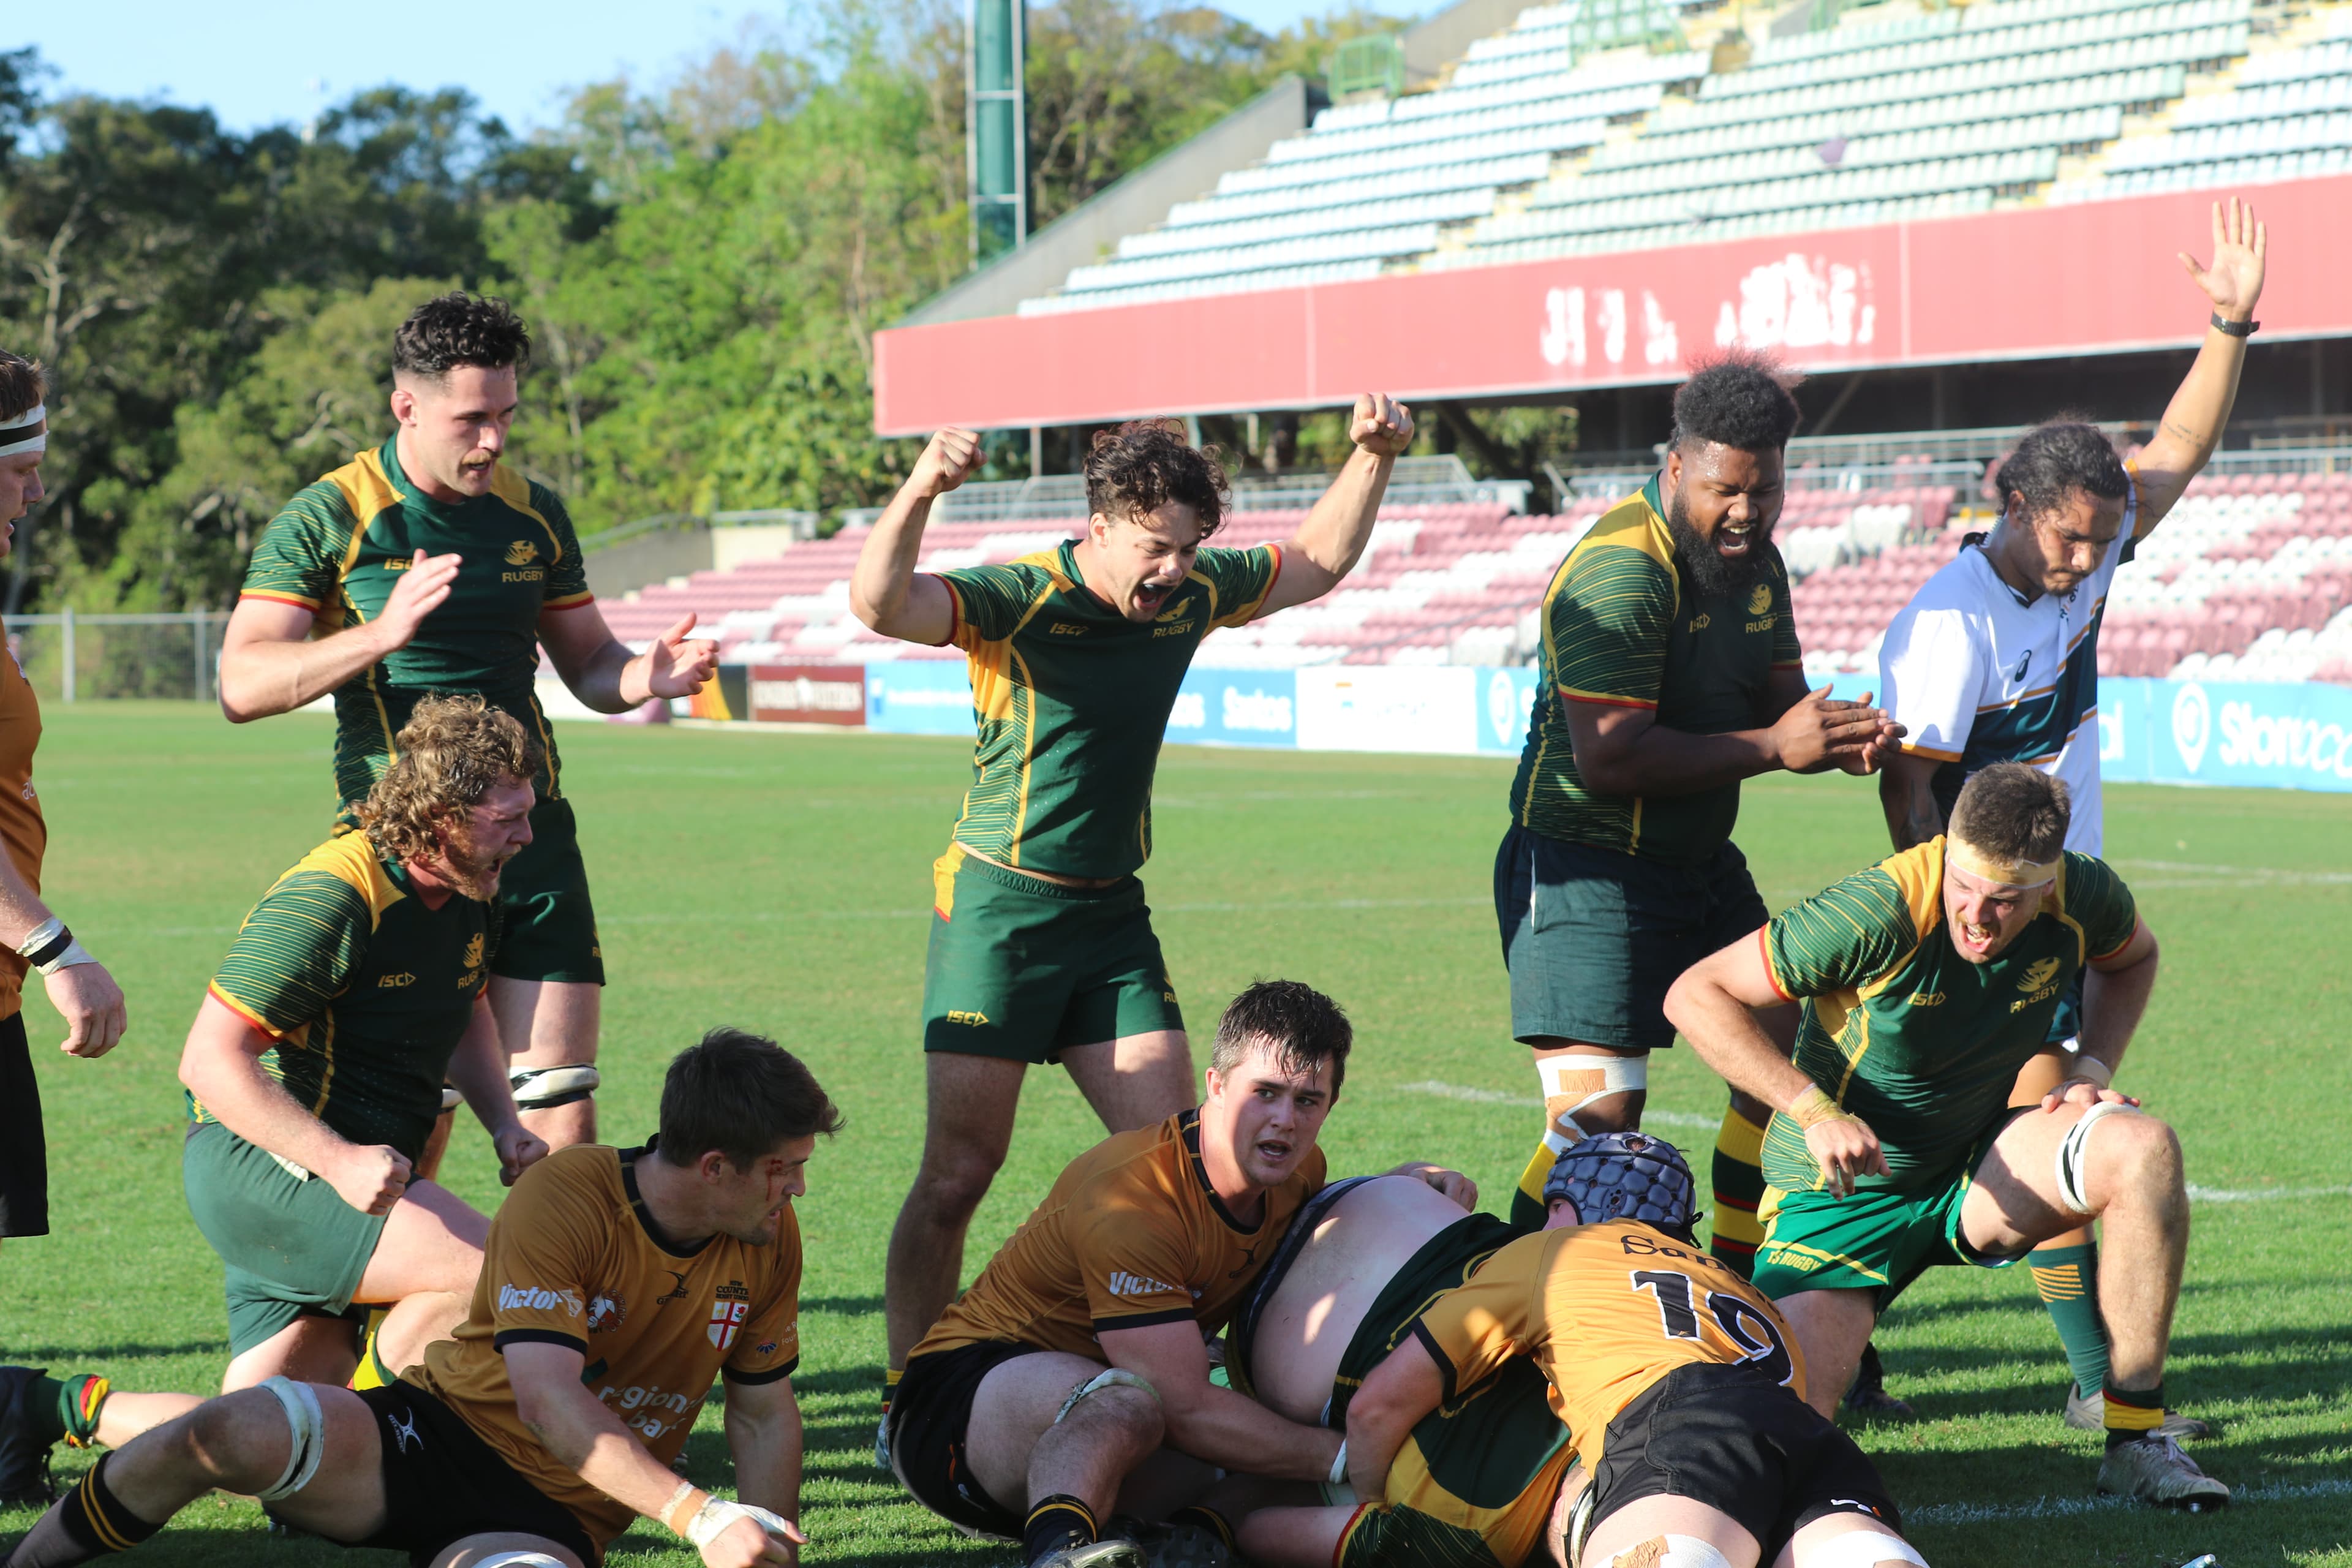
(2067, 1278)
(1528, 1209)
(373, 1373)
(79, 1399)
(2132, 1413)
(1739, 1188)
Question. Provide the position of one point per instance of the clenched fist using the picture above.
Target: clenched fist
(1383, 426)
(953, 456)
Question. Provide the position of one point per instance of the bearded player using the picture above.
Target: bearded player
(1041, 946)
(428, 565)
(1928, 982)
(618, 1285)
(1996, 659)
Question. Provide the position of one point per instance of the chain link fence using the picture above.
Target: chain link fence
(86, 658)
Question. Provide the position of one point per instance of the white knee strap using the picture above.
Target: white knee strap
(539, 1088)
(519, 1560)
(1860, 1549)
(310, 1428)
(451, 1098)
(2073, 1166)
(1681, 1552)
(1594, 1078)
(1116, 1377)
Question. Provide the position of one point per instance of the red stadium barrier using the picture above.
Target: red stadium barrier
(2096, 277)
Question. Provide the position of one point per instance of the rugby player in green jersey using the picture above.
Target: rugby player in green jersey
(1926, 982)
(1041, 946)
(315, 1066)
(427, 565)
(1669, 672)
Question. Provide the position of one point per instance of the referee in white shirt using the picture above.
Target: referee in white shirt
(1996, 659)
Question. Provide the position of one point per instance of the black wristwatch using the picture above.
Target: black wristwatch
(2235, 329)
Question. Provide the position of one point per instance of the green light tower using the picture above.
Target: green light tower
(996, 129)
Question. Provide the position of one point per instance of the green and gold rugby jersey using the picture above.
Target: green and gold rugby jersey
(1903, 1031)
(1623, 627)
(1072, 699)
(366, 990)
(338, 550)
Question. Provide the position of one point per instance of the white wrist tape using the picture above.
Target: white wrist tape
(713, 1518)
(40, 936)
(1591, 1079)
(2092, 1069)
(74, 954)
(1339, 1465)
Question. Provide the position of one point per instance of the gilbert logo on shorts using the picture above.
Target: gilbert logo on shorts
(537, 1299)
(1122, 1283)
(729, 1307)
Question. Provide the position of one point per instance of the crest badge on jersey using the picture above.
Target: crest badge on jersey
(1761, 600)
(2038, 973)
(521, 552)
(729, 1308)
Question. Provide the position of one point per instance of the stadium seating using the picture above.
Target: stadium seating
(1526, 152)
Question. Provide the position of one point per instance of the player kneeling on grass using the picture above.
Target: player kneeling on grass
(1479, 1484)
(1928, 982)
(618, 1284)
(1073, 1376)
(1676, 1377)
(314, 1069)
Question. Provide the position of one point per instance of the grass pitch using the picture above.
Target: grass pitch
(780, 882)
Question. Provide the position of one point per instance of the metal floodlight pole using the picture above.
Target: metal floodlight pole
(996, 124)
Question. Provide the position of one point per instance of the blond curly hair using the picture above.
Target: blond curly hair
(452, 752)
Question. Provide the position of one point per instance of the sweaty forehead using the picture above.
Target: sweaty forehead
(1733, 468)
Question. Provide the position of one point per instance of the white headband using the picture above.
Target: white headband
(37, 420)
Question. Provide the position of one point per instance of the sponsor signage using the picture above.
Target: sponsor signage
(1850, 299)
(807, 693)
(918, 697)
(2226, 732)
(1390, 708)
(1236, 708)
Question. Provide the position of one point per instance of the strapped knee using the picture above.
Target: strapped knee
(2074, 1165)
(1594, 1078)
(1115, 1377)
(544, 1088)
(1671, 1552)
(1862, 1549)
(300, 1402)
(452, 1096)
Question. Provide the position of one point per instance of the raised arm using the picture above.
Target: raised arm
(585, 1436)
(1214, 1424)
(2194, 419)
(1329, 543)
(1713, 1004)
(270, 665)
(884, 590)
(604, 674)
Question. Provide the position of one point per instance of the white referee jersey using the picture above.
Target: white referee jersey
(1976, 675)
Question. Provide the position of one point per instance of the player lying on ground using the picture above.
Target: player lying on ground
(427, 565)
(1928, 981)
(315, 1066)
(1676, 1378)
(618, 1284)
(1072, 1378)
(1996, 659)
(1479, 1485)
(1042, 948)
(1670, 673)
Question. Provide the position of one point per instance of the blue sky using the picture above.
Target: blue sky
(259, 61)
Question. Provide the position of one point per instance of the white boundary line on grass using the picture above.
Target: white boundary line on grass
(2068, 1507)
(1686, 1119)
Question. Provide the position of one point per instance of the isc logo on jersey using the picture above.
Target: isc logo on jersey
(537, 1299)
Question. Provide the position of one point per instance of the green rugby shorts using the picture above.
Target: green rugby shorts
(1878, 1240)
(1024, 969)
(546, 923)
(293, 1247)
(1594, 939)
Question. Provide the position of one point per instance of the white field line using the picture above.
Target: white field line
(1496, 1097)
(1686, 1119)
(2190, 874)
(2067, 1507)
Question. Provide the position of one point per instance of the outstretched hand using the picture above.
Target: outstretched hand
(1381, 425)
(675, 667)
(2241, 247)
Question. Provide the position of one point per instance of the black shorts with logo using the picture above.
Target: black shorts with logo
(1730, 1438)
(928, 1416)
(442, 1483)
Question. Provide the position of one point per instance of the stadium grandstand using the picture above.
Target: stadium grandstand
(1562, 204)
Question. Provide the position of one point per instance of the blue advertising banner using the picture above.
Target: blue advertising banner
(2239, 734)
(1236, 708)
(918, 697)
(1507, 695)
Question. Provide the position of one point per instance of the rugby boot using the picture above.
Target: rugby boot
(1868, 1396)
(2154, 1469)
(1096, 1554)
(24, 1449)
(2090, 1415)
(1182, 1546)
